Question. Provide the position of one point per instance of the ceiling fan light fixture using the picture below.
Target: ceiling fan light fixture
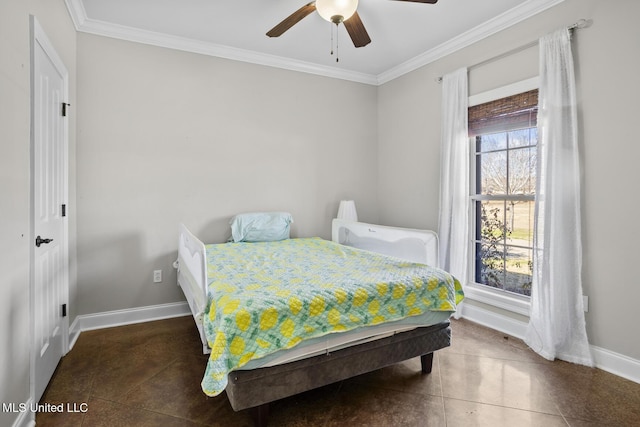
(336, 11)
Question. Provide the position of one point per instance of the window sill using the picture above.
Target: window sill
(498, 298)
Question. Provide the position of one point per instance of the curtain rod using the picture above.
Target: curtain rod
(581, 23)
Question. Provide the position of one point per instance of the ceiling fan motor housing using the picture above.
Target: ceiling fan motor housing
(336, 11)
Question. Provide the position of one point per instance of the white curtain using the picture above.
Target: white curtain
(556, 328)
(453, 222)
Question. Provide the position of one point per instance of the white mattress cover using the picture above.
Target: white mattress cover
(335, 341)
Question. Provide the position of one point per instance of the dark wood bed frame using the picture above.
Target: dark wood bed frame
(255, 389)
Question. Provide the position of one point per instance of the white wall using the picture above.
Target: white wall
(149, 121)
(166, 137)
(606, 58)
(15, 234)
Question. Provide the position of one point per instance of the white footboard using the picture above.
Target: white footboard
(405, 243)
(192, 277)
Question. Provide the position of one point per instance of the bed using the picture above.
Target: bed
(282, 317)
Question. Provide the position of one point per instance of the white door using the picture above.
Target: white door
(49, 266)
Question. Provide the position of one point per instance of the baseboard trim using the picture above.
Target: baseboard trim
(604, 359)
(617, 364)
(25, 418)
(614, 363)
(497, 321)
(109, 319)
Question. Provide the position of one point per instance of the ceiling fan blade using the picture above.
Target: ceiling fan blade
(421, 1)
(292, 20)
(356, 31)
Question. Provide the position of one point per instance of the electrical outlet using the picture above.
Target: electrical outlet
(585, 302)
(157, 276)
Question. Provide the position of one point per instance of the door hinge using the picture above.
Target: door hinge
(65, 106)
(64, 210)
(64, 310)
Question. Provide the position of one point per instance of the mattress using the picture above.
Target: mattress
(268, 297)
(333, 342)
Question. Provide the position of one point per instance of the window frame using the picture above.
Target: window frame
(505, 300)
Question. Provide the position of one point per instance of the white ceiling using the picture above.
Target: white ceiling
(404, 35)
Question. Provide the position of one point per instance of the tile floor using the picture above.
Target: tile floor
(149, 375)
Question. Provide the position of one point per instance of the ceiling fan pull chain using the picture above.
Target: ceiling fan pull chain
(331, 28)
(337, 47)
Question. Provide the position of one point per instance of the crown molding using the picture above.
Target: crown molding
(84, 24)
(77, 12)
(489, 28)
(92, 26)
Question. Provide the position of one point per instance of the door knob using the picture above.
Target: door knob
(40, 241)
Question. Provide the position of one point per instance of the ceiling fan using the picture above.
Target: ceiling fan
(336, 11)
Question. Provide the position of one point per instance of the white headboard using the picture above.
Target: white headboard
(405, 243)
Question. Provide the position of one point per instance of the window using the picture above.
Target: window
(503, 136)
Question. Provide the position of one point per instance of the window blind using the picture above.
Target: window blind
(513, 112)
